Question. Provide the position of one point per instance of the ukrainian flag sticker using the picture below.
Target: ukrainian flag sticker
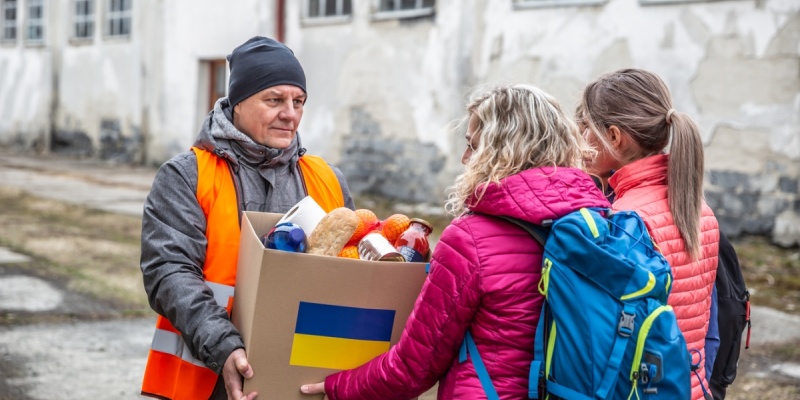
(339, 337)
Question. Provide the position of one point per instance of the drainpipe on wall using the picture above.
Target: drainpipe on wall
(55, 99)
(54, 45)
(280, 15)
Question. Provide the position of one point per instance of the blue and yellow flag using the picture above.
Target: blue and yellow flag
(339, 337)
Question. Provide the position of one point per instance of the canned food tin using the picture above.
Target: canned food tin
(375, 247)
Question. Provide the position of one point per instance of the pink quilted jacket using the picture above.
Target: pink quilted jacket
(642, 186)
(484, 277)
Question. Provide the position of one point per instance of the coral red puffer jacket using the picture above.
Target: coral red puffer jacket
(642, 186)
(484, 277)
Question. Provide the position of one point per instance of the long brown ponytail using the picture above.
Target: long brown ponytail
(685, 180)
(639, 104)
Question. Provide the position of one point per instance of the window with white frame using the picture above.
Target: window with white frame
(118, 18)
(328, 8)
(404, 8)
(83, 19)
(35, 21)
(521, 4)
(663, 2)
(9, 22)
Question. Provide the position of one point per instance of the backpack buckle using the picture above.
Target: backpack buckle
(625, 327)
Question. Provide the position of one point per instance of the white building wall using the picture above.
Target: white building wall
(402, 71)
(197, 31)
(26, 80)
(101, 84)
(731, 65)
(384, 94)
(25, 91)
(132, 99)
(405, 74)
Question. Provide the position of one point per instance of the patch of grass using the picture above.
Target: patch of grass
(92, 252)
(97, 253)
(759, 388)
(772, 273)
(757, 379)
(786, 351)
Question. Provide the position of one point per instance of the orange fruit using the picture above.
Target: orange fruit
(395, 225)
(349, 252)
(368, 221)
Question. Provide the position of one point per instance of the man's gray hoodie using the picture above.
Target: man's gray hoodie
(173, 229)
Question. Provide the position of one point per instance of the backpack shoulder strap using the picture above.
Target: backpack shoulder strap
(468, 347)
(733, 316)
(537, 371)
(539, 232)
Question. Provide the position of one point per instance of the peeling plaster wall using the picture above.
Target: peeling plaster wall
(734, 66)
(100, 88)
(26, 80)
(25, 93)
(381, 95)
(81, 98)
(129, 99)
(196, 31)
(386, 96)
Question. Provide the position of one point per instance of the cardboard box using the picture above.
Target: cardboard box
(305, 316)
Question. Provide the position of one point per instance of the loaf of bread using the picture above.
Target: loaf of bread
(332, 232)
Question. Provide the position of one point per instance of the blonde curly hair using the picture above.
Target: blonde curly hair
(519, 127)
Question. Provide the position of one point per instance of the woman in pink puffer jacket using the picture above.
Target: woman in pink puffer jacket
(522, 160)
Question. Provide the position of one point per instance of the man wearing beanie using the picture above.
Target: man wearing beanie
(247, 157)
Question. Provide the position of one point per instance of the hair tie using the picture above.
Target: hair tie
(669, 116)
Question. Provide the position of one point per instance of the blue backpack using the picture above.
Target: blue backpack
(606, 331)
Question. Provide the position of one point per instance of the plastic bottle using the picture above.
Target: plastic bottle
(286, 236)
(413, 243)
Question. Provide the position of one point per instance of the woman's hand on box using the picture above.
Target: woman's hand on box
(314, 388)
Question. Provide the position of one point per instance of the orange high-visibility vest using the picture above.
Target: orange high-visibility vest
(172, 372)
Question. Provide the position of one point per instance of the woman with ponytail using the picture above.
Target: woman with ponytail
(651, 155)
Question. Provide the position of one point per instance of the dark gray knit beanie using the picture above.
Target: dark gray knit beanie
(260, 63)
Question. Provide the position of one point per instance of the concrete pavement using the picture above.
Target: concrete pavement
(95, 184)
(111, 354)
(100, 360)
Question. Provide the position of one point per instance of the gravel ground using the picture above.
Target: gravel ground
(78, 360)
(74, 323)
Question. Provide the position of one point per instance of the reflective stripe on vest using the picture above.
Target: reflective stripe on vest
(171, 371)
(223, 294)
(169, 342)
(170, 361)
